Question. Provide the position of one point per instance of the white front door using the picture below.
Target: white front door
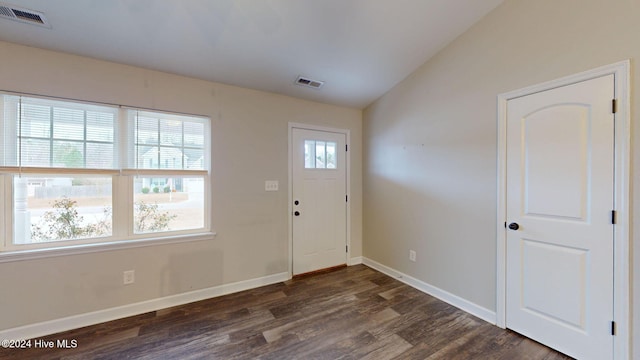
(319, 200)
(560, 197)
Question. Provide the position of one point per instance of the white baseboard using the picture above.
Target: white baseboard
(77, 321)
(355, 261)
(462, 304)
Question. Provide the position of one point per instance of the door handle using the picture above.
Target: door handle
(514, 226)
(297, 213)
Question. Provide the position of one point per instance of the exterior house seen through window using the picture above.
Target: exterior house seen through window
(76, 173)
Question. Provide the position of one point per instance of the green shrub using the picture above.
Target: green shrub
(64, 222)
(156, 189)
(145, 190)
(167, 189)
(148, 218)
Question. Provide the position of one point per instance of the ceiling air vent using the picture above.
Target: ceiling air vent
(303, 81)
(23, 15)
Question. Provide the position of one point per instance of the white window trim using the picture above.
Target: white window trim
(21, 255)
(122, 196)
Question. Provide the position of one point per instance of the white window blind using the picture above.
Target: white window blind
(44, 133)
(167, 141)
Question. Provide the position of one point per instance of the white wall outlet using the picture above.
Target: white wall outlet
(271, 185)
(129, 277)
(412, 255)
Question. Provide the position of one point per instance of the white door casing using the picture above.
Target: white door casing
(319, 206)
(561, 176)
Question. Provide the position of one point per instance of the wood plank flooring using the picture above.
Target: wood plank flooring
(349, 313)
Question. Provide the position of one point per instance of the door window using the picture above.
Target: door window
(320, 154)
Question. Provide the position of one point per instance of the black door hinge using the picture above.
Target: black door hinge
(505, 224)
(614, 106)
(613, 217)
(346, 198)
(346, 148)
(613, 328)
(346, 248)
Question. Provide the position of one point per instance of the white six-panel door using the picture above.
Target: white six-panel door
(560, 194)
(319, 200)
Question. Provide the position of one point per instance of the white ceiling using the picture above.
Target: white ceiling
(360, 48)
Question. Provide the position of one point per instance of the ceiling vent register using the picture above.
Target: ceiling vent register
(23, 15)
(314, 84)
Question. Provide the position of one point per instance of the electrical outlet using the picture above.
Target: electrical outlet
(412, 255)
(128, 277)
(271, 185)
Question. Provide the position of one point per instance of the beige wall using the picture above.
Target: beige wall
(430, 143)
(249, 146)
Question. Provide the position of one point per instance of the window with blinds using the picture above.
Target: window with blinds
(163, 141)
(167, 154)
(56, 134)
(75, 173)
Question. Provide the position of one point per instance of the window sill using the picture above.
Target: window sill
(20, 255)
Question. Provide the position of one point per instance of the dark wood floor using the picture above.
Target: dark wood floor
(350, 313)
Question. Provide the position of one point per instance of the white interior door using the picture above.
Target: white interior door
(560, 196)
(319, 200)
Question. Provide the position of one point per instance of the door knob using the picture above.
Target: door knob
(297, 213)
(514, 226)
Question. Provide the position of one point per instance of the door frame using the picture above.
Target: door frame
(621, 271)
(347, 134)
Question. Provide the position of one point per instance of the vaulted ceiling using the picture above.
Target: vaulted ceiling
(359, 48)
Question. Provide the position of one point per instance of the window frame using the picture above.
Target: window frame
(314, 151)
(122, 175)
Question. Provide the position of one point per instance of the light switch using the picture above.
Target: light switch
(271, 185)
